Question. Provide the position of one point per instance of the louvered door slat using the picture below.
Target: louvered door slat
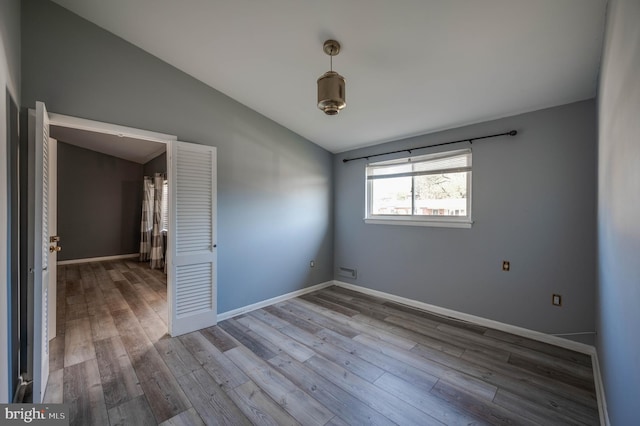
(39, 245)
(194, 249)
(45, 197)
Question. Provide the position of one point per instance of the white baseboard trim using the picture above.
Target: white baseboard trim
(243, 310)
(98, 259)
(602, 400)
(520, 331)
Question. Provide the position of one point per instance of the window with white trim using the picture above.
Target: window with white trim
(164, 207)
(426, 190)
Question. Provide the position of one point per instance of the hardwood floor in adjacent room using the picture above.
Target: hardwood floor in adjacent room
(334, 357)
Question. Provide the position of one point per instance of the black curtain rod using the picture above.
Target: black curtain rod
(470, 140)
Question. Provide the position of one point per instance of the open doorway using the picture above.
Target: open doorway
(191, 252)
(98, 200)
(101, 191)
(101, 287)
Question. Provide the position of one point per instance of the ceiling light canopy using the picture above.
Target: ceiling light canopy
(331, 85)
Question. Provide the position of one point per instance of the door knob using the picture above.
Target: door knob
(54, 239)
(54, 248)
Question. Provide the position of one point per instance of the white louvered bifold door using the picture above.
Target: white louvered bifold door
(40, 163)
(192, 238)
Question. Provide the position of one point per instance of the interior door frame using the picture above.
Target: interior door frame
(134, 133)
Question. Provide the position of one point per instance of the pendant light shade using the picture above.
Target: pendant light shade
(331, 85)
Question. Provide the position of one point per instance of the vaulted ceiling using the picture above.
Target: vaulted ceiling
(412, 66)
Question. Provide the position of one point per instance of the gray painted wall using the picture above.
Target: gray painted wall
(14, 293)
(156, 165)
(618, 299)
(534, 204)
(9, 84)
(9, 51)
(274, 187)
(99, 203)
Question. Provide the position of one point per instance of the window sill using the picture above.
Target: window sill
(409, 222)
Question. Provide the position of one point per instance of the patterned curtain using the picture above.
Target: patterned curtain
(157, 240)
(147, 220)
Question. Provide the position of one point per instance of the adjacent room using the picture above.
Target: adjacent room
(336, 213)
(102, 182)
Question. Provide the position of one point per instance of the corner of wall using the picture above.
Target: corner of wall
(618, 280)
(9, 84)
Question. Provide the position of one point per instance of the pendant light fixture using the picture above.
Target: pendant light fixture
(331, 85)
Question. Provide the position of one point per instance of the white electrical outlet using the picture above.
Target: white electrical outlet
(312, 263)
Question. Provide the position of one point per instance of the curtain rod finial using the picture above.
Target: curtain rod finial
(513, 133)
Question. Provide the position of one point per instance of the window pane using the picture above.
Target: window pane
(164, 208)
(391, 196)
(443, 194)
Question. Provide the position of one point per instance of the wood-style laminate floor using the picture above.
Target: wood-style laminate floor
(333, 357)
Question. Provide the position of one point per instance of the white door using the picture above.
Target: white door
(54, 246)
(39, 247)
(192, 238)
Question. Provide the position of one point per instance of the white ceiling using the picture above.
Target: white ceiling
(412, 66)
(137, 150)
